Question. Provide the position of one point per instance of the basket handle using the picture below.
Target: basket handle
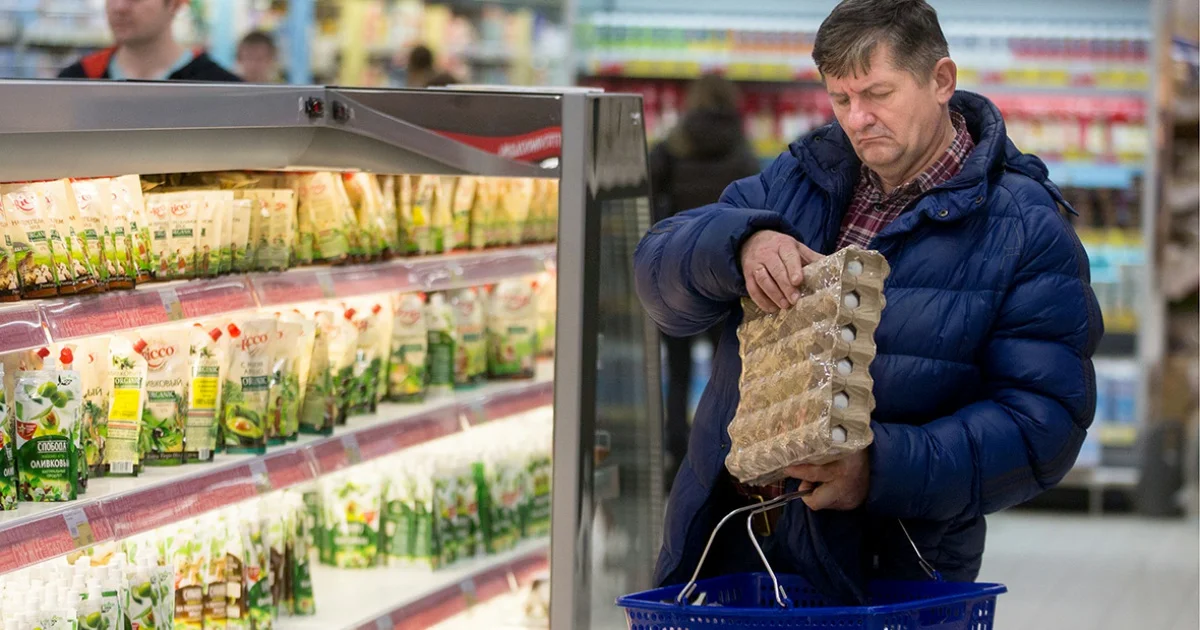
(755, 508)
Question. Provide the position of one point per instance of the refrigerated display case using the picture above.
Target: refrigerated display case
(606, 501)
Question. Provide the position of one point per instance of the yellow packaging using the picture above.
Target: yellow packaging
(464, 201)
(417, 199)
(514, 208)
(367, 200)
(322, 217)
(482, 212)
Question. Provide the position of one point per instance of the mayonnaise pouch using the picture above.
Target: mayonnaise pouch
(241, 216)
(29, 228)
(127, 375)
(512, 329)
(407, 371)
(464, 200)
(362, 189)
(210, 229)
(319, 411)
(184, 232)
(91, 361)
(425, 189)
(394, 244)
(130, 199)
(206, 367)
(443, 343)
(514, 204)
(442, 217)
(482, 212)
(158, 218)
(470, 359)
(164, 418)
(8, 452)
(248, 385)
(256, 242)
(10, 287)
(47, 455)
(322, 217)
(282, 410)
(223, 205)
(64, 215)
(93, 197)
(304, 356)
(272, 227)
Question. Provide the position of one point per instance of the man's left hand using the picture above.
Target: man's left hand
(840, 485)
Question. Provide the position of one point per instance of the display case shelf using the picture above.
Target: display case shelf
(411, 598)
(31, 324)
(119, 507)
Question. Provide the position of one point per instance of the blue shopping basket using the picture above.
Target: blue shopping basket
(767, 600)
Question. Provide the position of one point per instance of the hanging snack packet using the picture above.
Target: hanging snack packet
(407, 369)
(806, 390)
(443, 343)
(127, 375)
(8, 453)
(512, 330)
(284, 396)
(241, 216)
(68, 227)
(164, 418)
(47, 457)
(470, 359)
(206, 366)
(10, 286)
(319, 411)
(247, 386)
(29, 229)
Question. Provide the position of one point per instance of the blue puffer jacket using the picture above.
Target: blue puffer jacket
(983, 381)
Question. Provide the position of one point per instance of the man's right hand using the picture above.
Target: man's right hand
(773, 265)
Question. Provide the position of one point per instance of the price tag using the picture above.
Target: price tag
(469, 594)
(260, 477)
(171, 304)
(513, 585)
(79, 528)
(472, 415)
(384, 623)
(350, 446)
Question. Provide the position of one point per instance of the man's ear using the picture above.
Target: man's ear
(945, 79)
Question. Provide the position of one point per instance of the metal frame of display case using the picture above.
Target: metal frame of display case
(606, 372)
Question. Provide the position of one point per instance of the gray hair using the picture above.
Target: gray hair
(848, 37)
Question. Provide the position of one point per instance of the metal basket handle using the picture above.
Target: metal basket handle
(754, 509)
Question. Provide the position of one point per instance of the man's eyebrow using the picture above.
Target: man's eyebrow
(874, 86)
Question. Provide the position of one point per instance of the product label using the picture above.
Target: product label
(164, 417)
(125, 415)
(8, 459)
(248, 387)
(189, 608)
(204, 397)
(47, 459)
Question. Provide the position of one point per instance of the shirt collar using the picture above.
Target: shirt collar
(115, 71)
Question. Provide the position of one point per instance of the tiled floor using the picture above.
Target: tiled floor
(1103, 573)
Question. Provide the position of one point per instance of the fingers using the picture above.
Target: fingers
(758, 296)
(793, 264)
(806, 254)
(824, 497)
(779, 288)
(815, 474)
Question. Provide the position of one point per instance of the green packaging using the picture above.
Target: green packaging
(284, 399)
(47, 458)
(319, 410)
(407, 374)
(535, 511)
(456, 501)
(241, 211)
(443, 342)
(29, 231)
(512, 330)
(248, 385)
(299, 561)
(70, 385)
(8, 454)
(91, 359)
(257, 572)
(470, 358)
(164, 416)
(352, 518)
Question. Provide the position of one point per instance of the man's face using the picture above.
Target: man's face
(890, 116)
(138, 21)
(257, 63)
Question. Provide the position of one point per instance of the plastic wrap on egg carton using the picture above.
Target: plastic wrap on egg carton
(806, 387)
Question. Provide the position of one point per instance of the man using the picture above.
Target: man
(145, 48)
(420, 70)
(984, 384)
(258, 59)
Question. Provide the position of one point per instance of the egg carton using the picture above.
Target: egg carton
(806, 387)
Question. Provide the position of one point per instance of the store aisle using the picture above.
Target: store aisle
(1110, 573)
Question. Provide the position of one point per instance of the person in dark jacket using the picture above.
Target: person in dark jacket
(145, 47)
(983, 382)
(702, 155)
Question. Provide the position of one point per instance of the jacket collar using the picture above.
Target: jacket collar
(828, 159)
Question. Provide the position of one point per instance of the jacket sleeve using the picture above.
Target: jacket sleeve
(1039, 396)
(686, 267)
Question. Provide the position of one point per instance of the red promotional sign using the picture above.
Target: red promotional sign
(527, 147)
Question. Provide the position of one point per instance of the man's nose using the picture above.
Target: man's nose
(860, 117)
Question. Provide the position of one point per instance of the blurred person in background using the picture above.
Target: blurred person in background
(258, 58)
(984, 385)
(704, 153)
(420, 67)
(145, 48)
(442, 79)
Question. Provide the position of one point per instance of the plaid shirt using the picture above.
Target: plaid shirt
(871, 209)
